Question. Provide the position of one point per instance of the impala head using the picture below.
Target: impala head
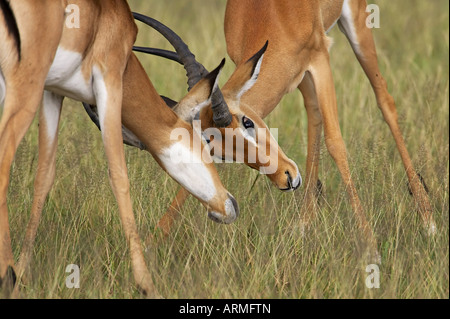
(186, 156)
(233, 131)
(246, 138)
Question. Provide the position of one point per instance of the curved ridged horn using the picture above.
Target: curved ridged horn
(195, 71)
(159, 52)
(221, 113)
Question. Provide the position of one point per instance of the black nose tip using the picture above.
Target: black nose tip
(235, 205)
(290, 181)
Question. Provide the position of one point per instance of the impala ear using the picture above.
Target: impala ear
(199, 96)
(247, 74)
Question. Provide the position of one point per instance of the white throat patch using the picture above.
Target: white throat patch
(191, 174)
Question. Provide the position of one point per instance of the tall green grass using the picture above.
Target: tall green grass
(261, 255)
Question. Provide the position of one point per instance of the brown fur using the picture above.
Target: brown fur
(105, 43)
(298, 50)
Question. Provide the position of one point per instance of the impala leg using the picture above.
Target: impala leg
(363, 45)
(48, 141)
(312, 159)
(19, 111)
(323, 82)
(108, 92)
(165, 224)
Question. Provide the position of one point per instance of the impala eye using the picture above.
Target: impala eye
(247, 123)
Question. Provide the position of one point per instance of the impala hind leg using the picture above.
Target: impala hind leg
(20, 108)
(353, 25)
(313, 156)
(326, 96)
(45, 176)
(108, 91)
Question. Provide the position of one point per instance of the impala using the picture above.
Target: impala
(245, 125)
(298, 57)
(41, 57)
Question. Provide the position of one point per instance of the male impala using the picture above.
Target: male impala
(298, 57)
(41, 56)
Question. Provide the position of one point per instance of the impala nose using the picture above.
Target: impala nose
(231, 212)
(293, 183)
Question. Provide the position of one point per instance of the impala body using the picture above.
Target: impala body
(298, 58)
(41, 57)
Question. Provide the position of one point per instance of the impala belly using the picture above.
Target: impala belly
(66, 77)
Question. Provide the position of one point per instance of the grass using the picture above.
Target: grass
(261, 255)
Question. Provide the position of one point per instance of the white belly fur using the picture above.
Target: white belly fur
(65, 77)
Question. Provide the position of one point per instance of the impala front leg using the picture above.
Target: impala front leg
(313, 157)
(323, 82)
(48, 140)
(108, 93)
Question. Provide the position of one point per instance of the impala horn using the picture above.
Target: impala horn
(195, 71)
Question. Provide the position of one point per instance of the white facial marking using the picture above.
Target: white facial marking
(248, 137)
(193, 175)
(66, 78)
(52, 108)
(348, 26)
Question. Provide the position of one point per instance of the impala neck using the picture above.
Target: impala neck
(143, 110)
